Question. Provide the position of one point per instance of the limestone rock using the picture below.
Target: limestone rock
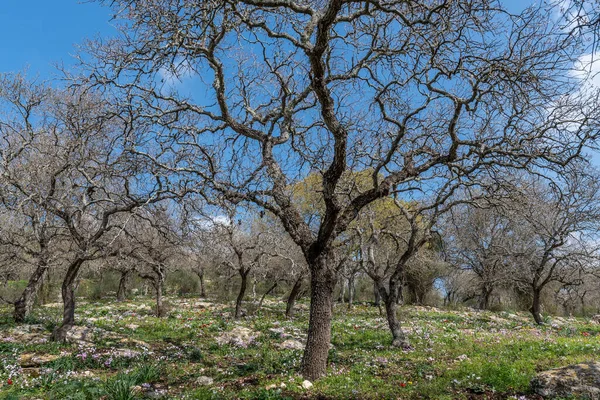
(238, 336)
(574, 380)
(204, 381)
(291, 344)
(307, 385)
(34, 360)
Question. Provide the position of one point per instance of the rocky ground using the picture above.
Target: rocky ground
(121, 351)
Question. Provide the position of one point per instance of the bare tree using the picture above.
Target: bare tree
(475, 238)
(554, 229)
(416, 93)
(89, 179)
(156, 243)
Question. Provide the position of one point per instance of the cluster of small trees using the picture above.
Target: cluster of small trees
(323, 140)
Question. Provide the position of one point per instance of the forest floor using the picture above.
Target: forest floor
(121, 351)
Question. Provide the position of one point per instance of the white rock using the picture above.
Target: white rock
(204, 381)
(307, 385)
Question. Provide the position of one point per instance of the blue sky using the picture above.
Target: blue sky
(39, 33)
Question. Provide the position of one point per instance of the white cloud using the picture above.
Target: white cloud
(587, 69)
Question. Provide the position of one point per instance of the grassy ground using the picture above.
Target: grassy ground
(129, 354)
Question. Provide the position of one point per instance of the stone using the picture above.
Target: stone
(238, 336)
(204, 381)
(25, 334)
(33, 360)
(80, 334)
(291, 344)
(581, 380)
(596, 318)
(271, 386)
(307, 385)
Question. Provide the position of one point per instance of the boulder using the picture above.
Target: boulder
(581, 380)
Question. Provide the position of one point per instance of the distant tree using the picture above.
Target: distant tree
(156, 244)
(67, 155)
(475, 238)
(554, 233)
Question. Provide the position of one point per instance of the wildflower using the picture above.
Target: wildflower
(9, 381)
(586, 334)
(402, 384)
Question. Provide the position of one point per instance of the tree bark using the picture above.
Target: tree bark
(68, 296)
(351, 291)
(291, 301)
(535, 306)
(241, 294)
(24, 303)
(202, 288)
(322, 284)
(390, 299)
(160, 308)
(376, 295)
(122, 290)
(342, 296)
(484, 299)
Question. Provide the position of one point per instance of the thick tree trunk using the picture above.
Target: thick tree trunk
(122, 290)
(262, 299)
(241, 294)
(68, 296)
(291, 301)
(536, 307)
(322, 284)
(484, 298)
(24, 303)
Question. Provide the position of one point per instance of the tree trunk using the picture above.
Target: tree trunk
(291, 301)
(342, 297)
(351, 291)
(122, 291)
(262, 299)
(241, 294)
(24, 304)
(484, 299)
(202, 288)
(390, 299)
(535, 307)
(376, 295)
(322, 284)
(160, 308)
(68, 297)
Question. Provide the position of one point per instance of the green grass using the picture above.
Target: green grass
(457, 354)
